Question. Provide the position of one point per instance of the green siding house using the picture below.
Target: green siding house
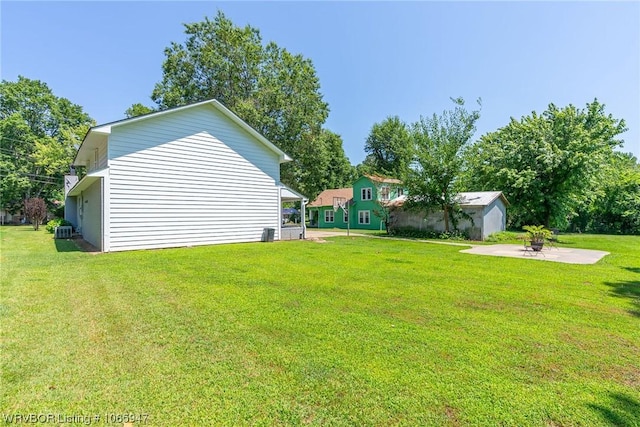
(363, 201)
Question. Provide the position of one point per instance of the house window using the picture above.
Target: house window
(384, 193)
(345, 216)
(328, 215)
(363, 217)
(400, 191)
(366, 193)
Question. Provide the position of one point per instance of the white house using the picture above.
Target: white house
(488, 209)
(192, 175)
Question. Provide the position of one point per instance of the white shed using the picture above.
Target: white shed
(488, 209)
(192, 175)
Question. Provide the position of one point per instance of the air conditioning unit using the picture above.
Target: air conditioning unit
(63, 232)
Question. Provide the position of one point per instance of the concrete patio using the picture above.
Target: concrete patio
(565, 255)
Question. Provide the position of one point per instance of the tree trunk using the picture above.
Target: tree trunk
(446, 218)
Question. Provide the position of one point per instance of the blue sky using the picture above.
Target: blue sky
(374, 59)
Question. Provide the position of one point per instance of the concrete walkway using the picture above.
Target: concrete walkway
(315, 233)
(565, 255)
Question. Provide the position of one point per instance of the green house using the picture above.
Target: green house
(364, 203)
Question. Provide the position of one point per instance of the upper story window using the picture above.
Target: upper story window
(366, 194)
(384, 193)
(400, 192)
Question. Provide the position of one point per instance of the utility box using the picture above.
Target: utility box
(63, 232)
(268, 234)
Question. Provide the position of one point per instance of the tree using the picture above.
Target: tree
(39, 133)
(273, 90)
(138, 109)
(434, 178)
(546, 164)
(613, 205)
(35, 210)
(389, 148)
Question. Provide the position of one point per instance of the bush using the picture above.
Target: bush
(51, 225)
(428, 234)
(453, 235)
(502, 236)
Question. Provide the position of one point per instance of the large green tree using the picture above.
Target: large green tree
(273, 90)
(39, 133)
(546, 163)
(389, 148)
(138, 109)
(439, 141)
(613, 203)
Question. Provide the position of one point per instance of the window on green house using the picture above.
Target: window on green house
(365, 193)
(345, 216)
(400, 191)
(328, 216)
(384, 193)
(364, 217)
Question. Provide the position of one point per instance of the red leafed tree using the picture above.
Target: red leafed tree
(35, 210)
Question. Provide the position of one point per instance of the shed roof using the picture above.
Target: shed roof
(326, 197)
(474, 198)
(480, 198)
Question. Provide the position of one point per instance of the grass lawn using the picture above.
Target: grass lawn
(356, 331)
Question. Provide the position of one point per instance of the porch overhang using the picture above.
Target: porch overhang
(86, 182)
(289, 195)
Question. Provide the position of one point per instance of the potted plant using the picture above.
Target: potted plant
(537, 234)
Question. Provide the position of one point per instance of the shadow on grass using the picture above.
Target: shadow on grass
(623, 410)
(627, 289)
(74, 245)
(633, 269)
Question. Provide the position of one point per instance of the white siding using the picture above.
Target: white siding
(189, 178)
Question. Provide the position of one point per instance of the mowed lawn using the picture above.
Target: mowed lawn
(355, 331)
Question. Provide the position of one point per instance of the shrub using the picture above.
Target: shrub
(453, 235)
(51, 225)
(502, 236)
(35, 210)
(427, 234)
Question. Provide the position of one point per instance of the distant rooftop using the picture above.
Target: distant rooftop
(383, 179)
(326, 197)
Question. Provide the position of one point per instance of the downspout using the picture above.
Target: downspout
(279, 213)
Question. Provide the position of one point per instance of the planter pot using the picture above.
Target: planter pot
(537, 246)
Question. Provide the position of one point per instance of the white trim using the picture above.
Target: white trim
(332, 216)
(368, 217)
(382, 192)
(369, 190)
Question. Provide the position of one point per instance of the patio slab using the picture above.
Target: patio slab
(565, 255)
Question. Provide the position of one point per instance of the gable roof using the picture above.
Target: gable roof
(105, 129)
(326, 197)
(383, 179)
